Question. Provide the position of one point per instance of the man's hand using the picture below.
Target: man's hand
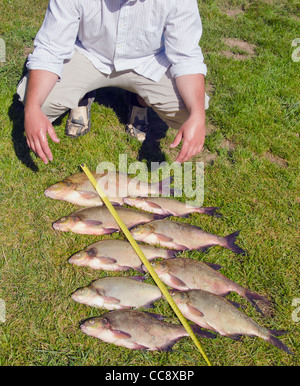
(37, 126)
(192, 133)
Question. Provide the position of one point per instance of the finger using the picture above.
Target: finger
(31, 145)
(183, 152)
(39, 151)
(52, 133)
(177, 139)
(46, 150)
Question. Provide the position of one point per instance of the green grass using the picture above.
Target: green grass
(254, 107)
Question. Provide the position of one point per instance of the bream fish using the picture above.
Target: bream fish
(181, 236)
(78, 189)
(117, 255)
(114, 293)
(168, 206)
(184, 274)
(137, 330)
(217, 314)
(97, 220)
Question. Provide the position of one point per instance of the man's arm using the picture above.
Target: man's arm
(192, 132)
(37, 125)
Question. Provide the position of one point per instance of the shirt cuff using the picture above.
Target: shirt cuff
(45, 62)
(188, 68)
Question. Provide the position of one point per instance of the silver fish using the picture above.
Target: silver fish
(78, 189)
(117, 255)
(115, 293)
(136, 330)
(217, 314)
(98, 220)
(180, 236)
(184, 274)
(168, 206)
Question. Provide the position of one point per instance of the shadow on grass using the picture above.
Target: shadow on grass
(16, 115)
(150, 150)
(114, 98)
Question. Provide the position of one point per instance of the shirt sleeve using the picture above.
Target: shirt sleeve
(182, 34)
(55, 41)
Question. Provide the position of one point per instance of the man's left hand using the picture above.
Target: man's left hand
(192, 133)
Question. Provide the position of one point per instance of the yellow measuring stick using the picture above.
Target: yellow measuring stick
(146, 263)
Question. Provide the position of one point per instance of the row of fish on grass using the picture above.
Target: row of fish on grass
(198, 288)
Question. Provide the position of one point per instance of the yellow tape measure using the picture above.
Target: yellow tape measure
(146, 263)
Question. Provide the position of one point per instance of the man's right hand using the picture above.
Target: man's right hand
(36, 123)
(37, 126)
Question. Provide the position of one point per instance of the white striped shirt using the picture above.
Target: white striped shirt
(146, 36)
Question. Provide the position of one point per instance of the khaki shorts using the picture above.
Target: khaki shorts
(80, 76)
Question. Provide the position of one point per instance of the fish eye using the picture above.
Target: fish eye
(92, 321)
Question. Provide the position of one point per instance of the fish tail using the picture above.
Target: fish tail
(260, 302)
(230, 243)
(203, 333)
(211, 211)
(277, 343)
(171, 253)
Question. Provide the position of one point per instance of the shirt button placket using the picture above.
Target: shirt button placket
(121, 34)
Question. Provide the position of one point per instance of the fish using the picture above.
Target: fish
(185, 274)
(168, 206)
(181, 236)
(117, 255)
(215, 313)
(137, 330)
(115, 293)
(77, 188)
(97, 220)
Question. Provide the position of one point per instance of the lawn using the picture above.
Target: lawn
(251, 163)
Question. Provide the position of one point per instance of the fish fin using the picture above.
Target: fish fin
(119, 334)
(230, 243)
(211, 211)
(205, 334)
(171, 253)
(137, 278)
(194, 311)
(107, 260)
(235, 304)
(204, 248)
(162, 237)
(93, 222)
(277, 343)
(153, 205)
(115, 203)
(157, 216)
(139, 269)
(138, 346)
(111, 300)
(88, 195)
(177, 283)
(110, 230)
(216, 267)
(234, 336)
(278, 332)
